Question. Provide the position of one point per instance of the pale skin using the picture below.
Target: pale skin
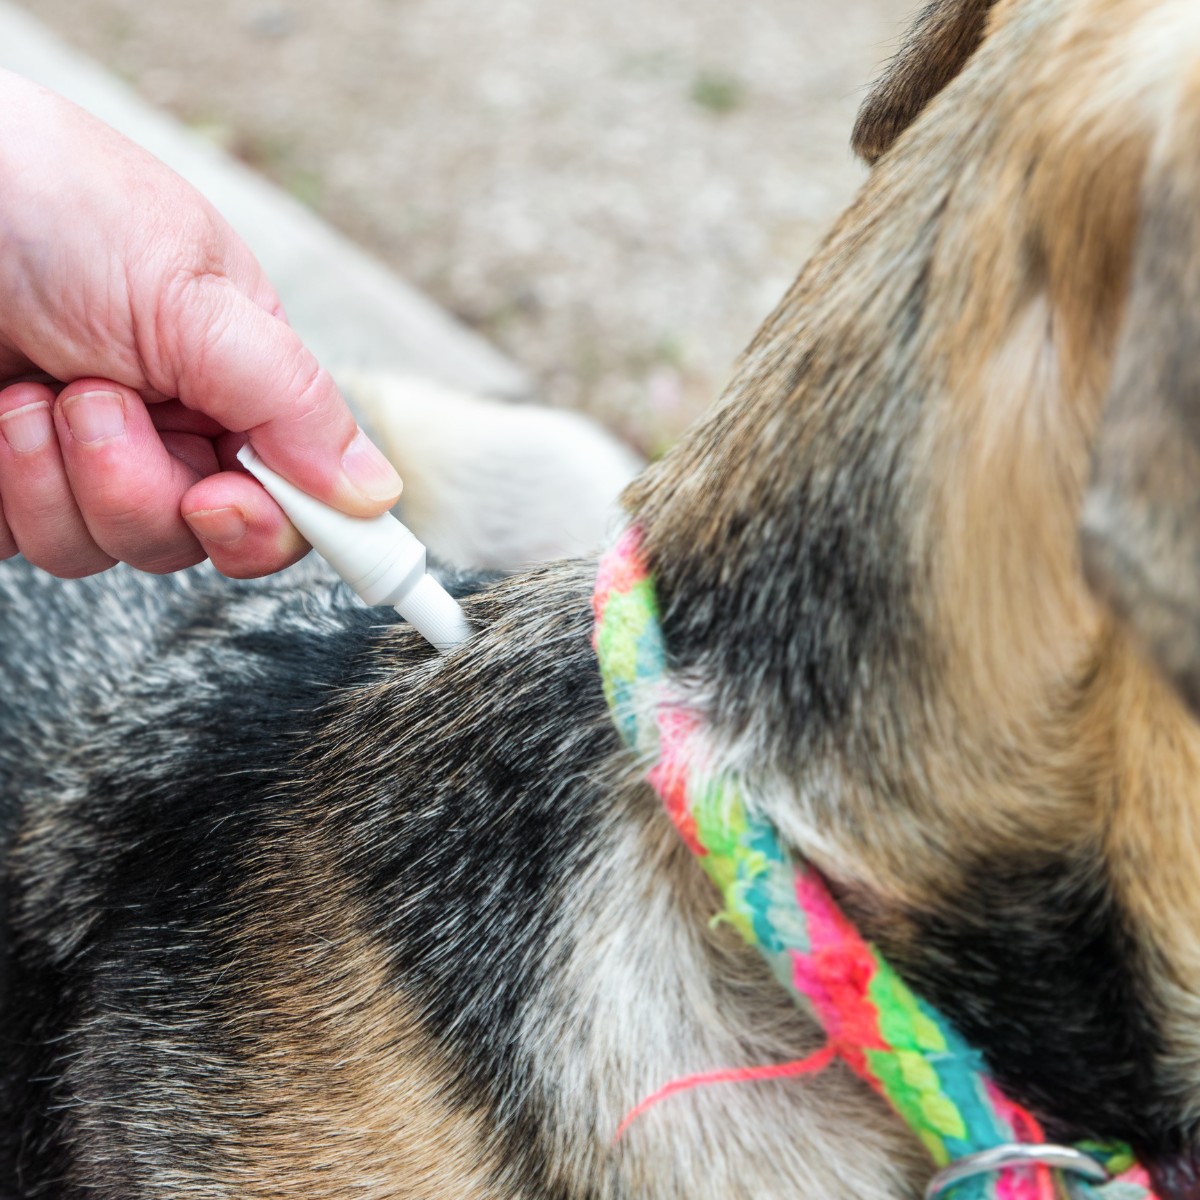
(140, 345)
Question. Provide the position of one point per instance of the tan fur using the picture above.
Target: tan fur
(1016, 448)
(1047, 725)
(340, 1074)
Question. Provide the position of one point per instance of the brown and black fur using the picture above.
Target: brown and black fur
(298, 908)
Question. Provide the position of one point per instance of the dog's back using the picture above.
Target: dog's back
(72, 652)
(306, 909)
(228, 799)
(101, 679)
(76, 653)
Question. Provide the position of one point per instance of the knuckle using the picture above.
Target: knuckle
(95, 566)
(311, 389)
(44, 525)
(190, 316)
(114, 516)
(134, 517)
(124, 526)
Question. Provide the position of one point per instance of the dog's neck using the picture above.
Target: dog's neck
(900, 1045)
(867, 556)
(870, 579)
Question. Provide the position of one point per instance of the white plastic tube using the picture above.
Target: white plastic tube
(376, 556)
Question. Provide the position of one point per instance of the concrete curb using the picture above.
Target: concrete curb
(351, 310)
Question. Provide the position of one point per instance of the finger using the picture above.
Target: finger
(39, 508)
(248, 370)
(126, 483)
(243, 530)
(8, 544)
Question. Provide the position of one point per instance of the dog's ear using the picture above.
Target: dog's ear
(941, 40)
(1141, 517)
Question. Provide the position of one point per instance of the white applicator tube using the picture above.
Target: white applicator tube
(376, 556)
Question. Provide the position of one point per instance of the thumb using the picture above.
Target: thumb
(231, 360)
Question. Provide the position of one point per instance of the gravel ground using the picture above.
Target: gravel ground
(614, 191)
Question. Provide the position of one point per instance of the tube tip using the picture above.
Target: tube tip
(434, 614)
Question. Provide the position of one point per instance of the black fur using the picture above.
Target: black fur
(1033, 963)
(203, 774)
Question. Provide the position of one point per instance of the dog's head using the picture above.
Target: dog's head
(933, 566)
(1141, 520)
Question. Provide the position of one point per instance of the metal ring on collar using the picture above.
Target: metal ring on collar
(999, 1158)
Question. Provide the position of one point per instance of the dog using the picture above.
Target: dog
(297, 907)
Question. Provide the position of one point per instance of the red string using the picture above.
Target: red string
(801, 1066)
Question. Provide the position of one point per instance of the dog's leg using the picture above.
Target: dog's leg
(489, 484)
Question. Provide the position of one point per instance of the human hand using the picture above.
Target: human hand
(119, 280)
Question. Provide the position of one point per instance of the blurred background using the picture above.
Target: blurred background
(615, 192)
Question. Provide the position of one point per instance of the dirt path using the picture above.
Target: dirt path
(614, 191)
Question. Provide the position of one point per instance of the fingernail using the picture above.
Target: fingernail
(369, 472)
(222, 525)
(27, 428)
(95, 416)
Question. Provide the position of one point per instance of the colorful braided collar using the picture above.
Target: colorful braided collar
(900, 1045)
